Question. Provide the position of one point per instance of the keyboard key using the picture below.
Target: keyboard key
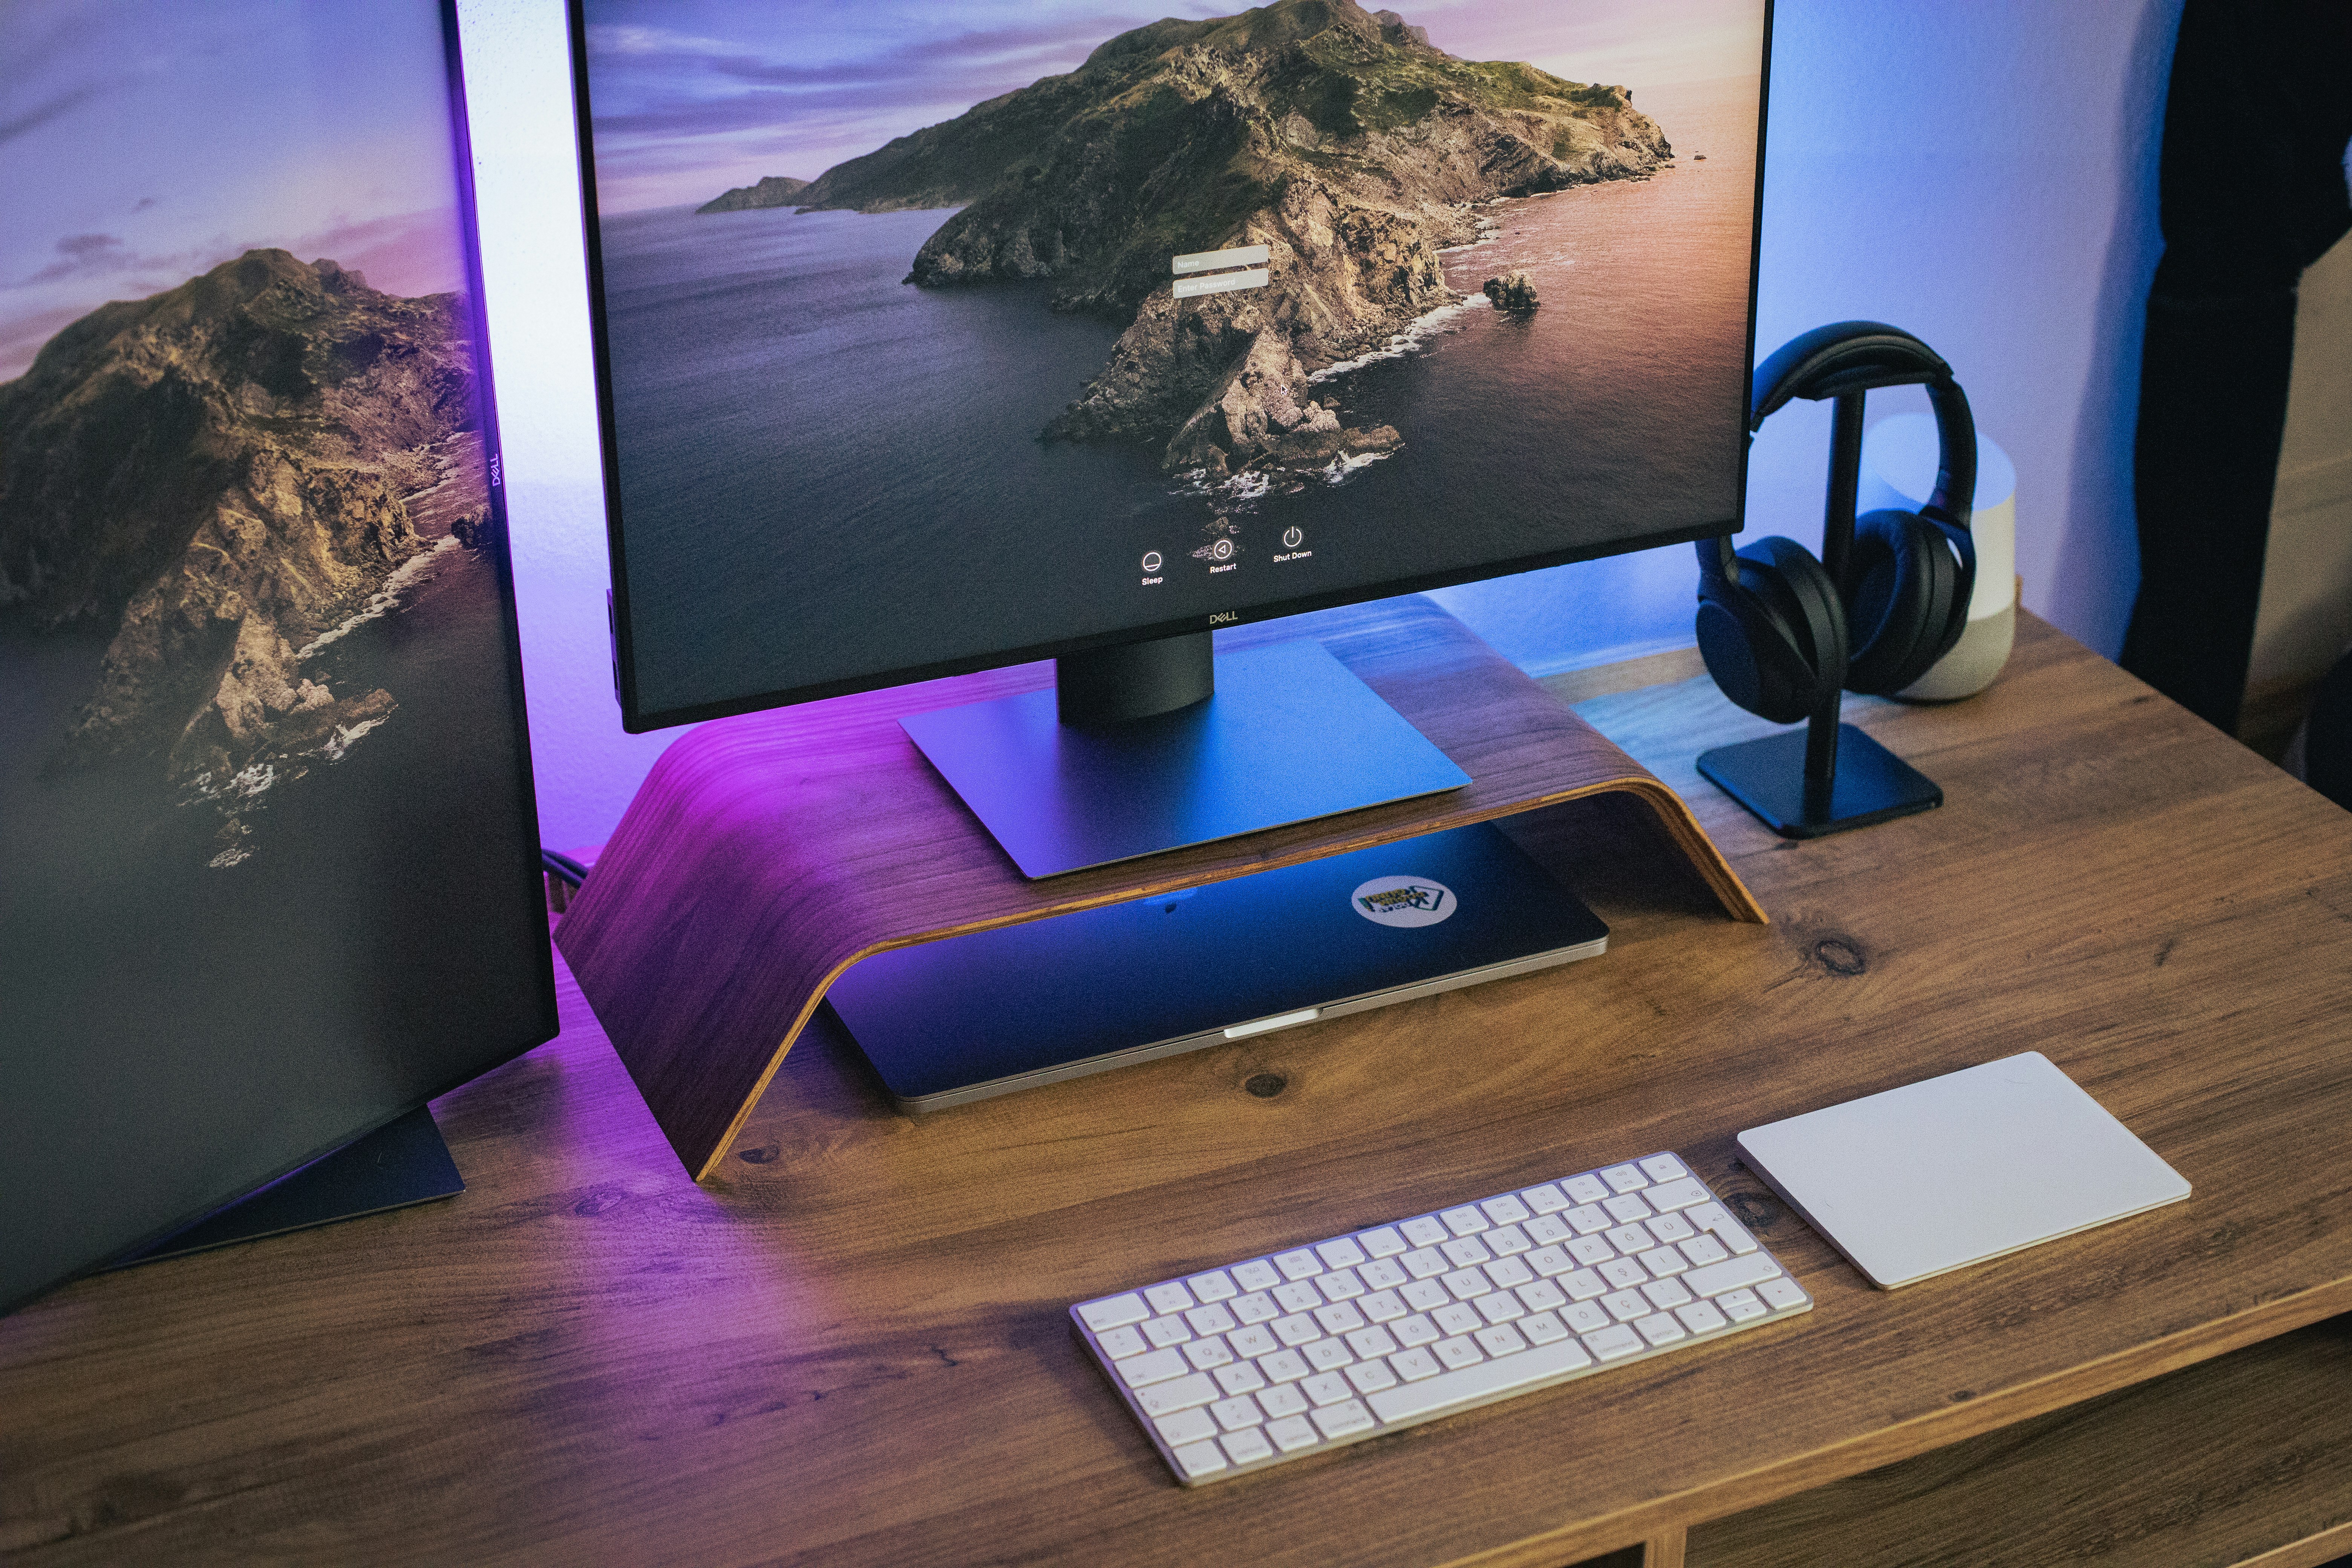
(1541, 1295)
(1700, 1317)
(1665, 1293)
(1200, 1459)
(1170, 1298)
(1414, 1364)
(1327, 1388)
(1478, 1381)
(1339, 1284)
(1208, 1354)
(1465, 1251)
(1500, 1340)
(1662, 1168)
(1284, 1366)
(1627, 1206)
(1742, 1305)
(1216, 1285)
(1283, 1399)
(1665, 1260)
(1547, 1199)
(1730, 1274)
(1612, 1343)
(1345, 1419)
(1582, 1285)
(1341, 1254)
(1458, 1353)
(1661, 1328)
(1702, 1250)
(1339, 1318)
(1467, 1284)
(1424, 1231)
(1585, 1189)
(1506, 1209)
(1382, 1242)
(1299, 1295)
(1679, 1195)
(1624, 1178)
(1546, 1228)
(1371, 1376)
(1233, 1415)
(1501, 1307)
(1425, 1295)
(1631, 1239)
(1383, 1274)
(1416, 1329)
(1373, 1342)
(1299, 1263)
(1257, 1307)
(1209, 1320)
(1509, 1273)
(1585, 1317)
(1255, 1341)
(1114, 1311)
(1781, 1293)
(1589, 1218)
(1543, 1328)
(1297, 1329)
(1383, 1306)
(1424, 1262)
(1182, 1394)
(1157, 1366)
(1592, 1250)
(1670, 1228)
(1504, 1240)
(1259, 1274)
(1121, 1344)
(1626, 1305)
(1463, 1221)
(1240, 1377)
(1714, 1216)
(1327, 1355)
(1460, 1318)
(1550, 1260)
(1165, 1331)
(1623, 1273)
(1247, 1445)
(1292, 1432)
(1187, 1426)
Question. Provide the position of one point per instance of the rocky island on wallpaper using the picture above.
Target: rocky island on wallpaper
(1341, 139)
(225, 465)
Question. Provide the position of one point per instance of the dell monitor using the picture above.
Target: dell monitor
(933, 339)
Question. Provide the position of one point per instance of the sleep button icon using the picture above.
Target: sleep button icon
(1151, 561)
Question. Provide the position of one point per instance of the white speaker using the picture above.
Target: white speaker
(1899, 470)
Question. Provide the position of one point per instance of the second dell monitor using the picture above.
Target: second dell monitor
(935, 337)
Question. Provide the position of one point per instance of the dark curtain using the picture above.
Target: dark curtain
(2252, 191)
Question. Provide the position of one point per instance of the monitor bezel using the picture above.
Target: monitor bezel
(635, 720)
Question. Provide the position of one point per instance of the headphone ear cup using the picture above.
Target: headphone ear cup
(1760, 634)
(1904, 580)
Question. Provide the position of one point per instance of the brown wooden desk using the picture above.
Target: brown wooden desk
(853, 1349)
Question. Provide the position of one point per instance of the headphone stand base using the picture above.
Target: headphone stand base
(1767, 776)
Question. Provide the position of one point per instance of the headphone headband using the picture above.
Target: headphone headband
(1846, 358)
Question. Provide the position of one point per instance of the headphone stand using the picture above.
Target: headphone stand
(1828, 777)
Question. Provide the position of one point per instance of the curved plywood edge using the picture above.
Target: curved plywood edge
(765, 854)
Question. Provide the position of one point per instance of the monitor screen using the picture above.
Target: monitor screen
(937, 337)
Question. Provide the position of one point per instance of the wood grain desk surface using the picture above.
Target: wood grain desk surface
(852, 1347)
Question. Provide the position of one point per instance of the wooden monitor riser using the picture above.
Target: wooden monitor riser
(766, 854)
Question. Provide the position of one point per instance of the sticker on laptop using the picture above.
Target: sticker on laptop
(1403, 901)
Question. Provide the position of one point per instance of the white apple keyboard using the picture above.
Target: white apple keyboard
(1233, 1369)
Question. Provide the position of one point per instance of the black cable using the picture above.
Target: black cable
(563, 867)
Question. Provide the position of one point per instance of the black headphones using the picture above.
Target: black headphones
(1776, 632)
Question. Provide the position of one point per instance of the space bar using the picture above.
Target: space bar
(1448, 1390)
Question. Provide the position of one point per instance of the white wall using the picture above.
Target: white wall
(1982, 174)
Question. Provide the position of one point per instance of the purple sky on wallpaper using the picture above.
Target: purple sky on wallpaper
(695, 96)
(142, 144)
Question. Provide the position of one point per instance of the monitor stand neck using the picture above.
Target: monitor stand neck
(1135, 681)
